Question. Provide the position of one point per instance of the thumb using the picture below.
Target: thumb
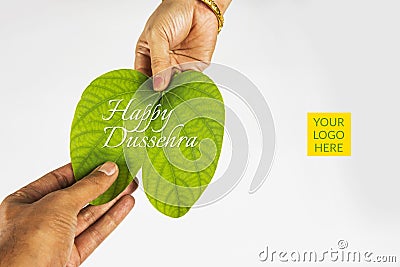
(160, 61)
(92, 186)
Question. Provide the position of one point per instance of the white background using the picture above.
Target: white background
(303, 55)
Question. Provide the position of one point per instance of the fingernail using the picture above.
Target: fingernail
(109, 168)
(136, 180)
(158, 82)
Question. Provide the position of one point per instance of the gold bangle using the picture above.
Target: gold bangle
(213, 6)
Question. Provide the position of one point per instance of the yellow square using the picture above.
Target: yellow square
(329, 134)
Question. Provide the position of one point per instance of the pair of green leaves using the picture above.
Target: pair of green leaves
(175, 137)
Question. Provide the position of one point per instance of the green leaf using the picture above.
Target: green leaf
(186, 123)
(175, 177)
(87, 131)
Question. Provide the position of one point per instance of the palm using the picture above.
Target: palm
(199, 43)
(191, 35)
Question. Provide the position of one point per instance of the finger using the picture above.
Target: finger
(142, 58)
(160, 61)
(92, 237)
(142, 63)
(90, 187)
(53, 181)
(91, 214)
(193, 65)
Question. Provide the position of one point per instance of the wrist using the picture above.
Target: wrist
(213, 7)
(223, 5)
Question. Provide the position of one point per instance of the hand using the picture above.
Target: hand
(179, 31)
(46, 224)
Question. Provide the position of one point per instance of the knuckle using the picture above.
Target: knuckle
(111, 221)
(92, 180)
(158, 61)
(27, 193)
(88, 216)
(95, 179)
(96, 236)
(61, 179)
(142, 50)
(20, 194)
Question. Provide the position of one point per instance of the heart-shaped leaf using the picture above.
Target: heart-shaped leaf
(175, 136)
(88, 128)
